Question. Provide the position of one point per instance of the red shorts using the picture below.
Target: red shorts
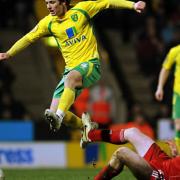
(159, 160)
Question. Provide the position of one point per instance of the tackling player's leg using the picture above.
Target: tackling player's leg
(125, 156)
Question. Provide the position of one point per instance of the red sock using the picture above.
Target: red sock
(106, 135)
(107, 173)
(95, 135)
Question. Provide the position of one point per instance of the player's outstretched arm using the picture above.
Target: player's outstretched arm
(16, 48)
(4, 56)
(124, 4)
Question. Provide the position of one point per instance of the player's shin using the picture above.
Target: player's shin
(107, 173)
(67, 99)
(72, 120)
(106, 135)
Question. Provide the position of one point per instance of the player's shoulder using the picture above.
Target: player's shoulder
(47, 19)
(175, 49)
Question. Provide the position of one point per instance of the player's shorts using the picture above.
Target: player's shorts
(90, 71)
(176, 105)
(164, 167)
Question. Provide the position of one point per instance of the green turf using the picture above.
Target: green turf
(58, 174)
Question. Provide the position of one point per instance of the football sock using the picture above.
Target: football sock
(72, 120)
(177, 140)
(107, 173)
(67, 99)
(106, 135)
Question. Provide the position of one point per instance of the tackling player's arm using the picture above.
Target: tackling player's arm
(39, 31)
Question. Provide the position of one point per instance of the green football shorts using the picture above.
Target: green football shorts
(176, 105)
(90, 71)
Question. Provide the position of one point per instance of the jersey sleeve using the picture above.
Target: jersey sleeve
(93, 7)
(40, 30)
(170, 58)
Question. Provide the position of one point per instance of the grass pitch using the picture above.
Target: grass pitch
(58, 174)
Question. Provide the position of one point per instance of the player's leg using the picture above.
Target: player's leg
(50, 114)
(70, 118)
(86, 72)
(124, 156)
(78, 77)
(140, 141)
(176, 117)
(72, 81)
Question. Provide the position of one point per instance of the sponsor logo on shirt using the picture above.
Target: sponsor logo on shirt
(75, 40)
(71, 32)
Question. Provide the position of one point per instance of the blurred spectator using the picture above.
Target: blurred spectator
(139, 121)
(12, 109)
(175, 38)
(102, 105)
(163, 112)
(149, 47)
(82, 102)
(7, 76)
(135, 109)
(14, 14)
(23, 10)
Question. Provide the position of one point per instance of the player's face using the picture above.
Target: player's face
(55, 7)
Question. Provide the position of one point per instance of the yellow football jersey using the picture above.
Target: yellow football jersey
(74, 32)
(173, 57)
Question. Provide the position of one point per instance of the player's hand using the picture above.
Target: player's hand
(139, 6)
(4, 56)
(159, 94)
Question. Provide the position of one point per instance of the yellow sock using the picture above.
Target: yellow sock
(67, 99)
(72, 120)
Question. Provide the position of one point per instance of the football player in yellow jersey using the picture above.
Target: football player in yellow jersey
(173, 57)
(73, 31)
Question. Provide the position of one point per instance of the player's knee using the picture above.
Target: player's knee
(121, 152)
(132, 131)
(73, 80)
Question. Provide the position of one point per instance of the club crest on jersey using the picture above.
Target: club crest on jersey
(74, 17)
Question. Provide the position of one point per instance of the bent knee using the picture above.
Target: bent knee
(132, 131)
(73, 80)
(120, 153)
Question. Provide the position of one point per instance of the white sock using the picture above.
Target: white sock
(61, 114)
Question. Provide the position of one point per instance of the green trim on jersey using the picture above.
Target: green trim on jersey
(90, 72)
(87, 16)
(176, 105)
(49, 28)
